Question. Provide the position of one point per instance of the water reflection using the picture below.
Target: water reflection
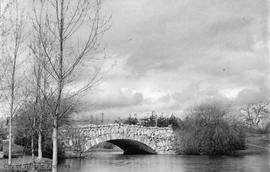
(117, 162)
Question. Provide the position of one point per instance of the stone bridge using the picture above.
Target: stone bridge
(132, 139)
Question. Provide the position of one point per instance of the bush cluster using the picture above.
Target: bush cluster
(206, 131)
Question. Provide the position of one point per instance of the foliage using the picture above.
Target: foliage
(149, 121)
(206, 131)
(162, 121)
(16, 151)
(131, 120)
(174, 121)
(153, 120)
(23, 130)
(3, 136)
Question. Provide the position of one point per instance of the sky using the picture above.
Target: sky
(169, 55)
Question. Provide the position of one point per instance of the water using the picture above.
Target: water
(117, 162)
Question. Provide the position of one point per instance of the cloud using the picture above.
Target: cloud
(112, 98)
(173, 54)
(253, 95)
(166, 33)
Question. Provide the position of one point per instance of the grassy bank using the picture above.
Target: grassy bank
(19, 162)
(256, 144)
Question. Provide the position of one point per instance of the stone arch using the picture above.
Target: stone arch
(130, 145)
(131, 138)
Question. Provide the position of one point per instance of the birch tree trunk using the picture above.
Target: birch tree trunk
(39, 141)
(32, 149)
(11, 108)
(55, 151)
(10, 141)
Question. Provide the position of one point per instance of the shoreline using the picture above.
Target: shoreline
(24, 163)
(256, 144)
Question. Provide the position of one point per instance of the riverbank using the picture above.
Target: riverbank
(24, 163)
(256, 144)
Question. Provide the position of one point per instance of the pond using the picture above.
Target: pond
(117, 162)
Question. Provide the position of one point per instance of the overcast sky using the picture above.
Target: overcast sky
(168, 55)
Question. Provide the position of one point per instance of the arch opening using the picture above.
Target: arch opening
(132, 146)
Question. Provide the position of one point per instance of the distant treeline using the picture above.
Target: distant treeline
(153, 120)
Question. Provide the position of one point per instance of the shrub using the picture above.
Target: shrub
(149, 121)
(162, 121)
(131, 120)
(22, 130)
(3, 136)
(17, 150)
(206, 131)
(172, 121)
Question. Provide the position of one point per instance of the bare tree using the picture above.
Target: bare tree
(59, 23)
(36, 116)
(14, 38)
(255, 113)
(39, 75)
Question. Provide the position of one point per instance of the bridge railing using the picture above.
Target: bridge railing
(116, 124)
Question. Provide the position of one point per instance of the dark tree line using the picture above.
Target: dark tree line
(25, 131)
(154, 121)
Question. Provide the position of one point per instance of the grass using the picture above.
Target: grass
(17, 150)
(22, 160)
(256, 144)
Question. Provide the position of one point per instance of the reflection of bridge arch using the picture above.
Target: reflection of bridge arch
(131, 139)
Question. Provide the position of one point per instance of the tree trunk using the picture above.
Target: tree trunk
(39, 113)
(55, 151)
(11, 109)
(32, 150)
(39, 143)
(10, 141)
